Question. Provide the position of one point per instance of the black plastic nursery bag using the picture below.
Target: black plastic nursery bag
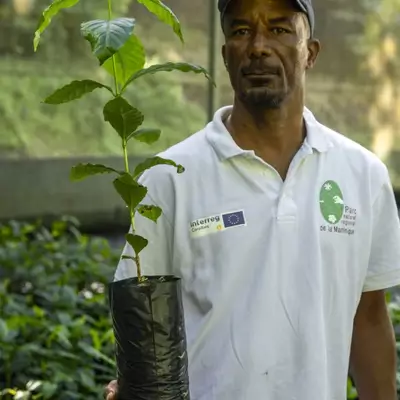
(150, 338)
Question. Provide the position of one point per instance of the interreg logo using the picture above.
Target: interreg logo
(217, 223)
(331, 202)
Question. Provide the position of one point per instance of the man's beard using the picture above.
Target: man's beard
(263, 98)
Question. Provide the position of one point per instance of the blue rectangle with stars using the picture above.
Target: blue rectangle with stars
(233, 219)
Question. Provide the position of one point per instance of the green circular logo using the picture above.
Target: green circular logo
(331, 202)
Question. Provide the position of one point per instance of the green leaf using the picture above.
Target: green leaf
(128, 258)
(82, 171)
(164, 14)
(91, 351)
(73, 91)
(3, 330)
(52, 10)
(107, 37)
(150, 212)
(144, 135)
(124, 118)
(168, 67)
(128, 60)
(137, 242)
(131, 192)
(152, 162)
(87, 379)
(48, 389)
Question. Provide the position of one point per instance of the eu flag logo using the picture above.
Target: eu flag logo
(233, 219)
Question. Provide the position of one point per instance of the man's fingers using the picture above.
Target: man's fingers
(110, 391)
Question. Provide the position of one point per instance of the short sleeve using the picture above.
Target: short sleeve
(384, 262)
(156, 258)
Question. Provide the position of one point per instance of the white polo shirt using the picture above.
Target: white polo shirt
(272, 271)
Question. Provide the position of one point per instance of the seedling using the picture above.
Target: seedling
(120, 52)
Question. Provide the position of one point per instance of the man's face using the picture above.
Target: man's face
(267, 50)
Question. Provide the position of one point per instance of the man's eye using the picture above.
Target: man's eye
(279, 31)
(241, 32)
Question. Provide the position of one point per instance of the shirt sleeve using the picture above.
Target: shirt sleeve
(156, 258)
(384, 262)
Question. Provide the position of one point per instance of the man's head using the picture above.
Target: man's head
(268, 48)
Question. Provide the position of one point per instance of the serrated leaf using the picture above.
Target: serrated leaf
(164, 14)
(153, 161)
(148, 136)
(130, 191)
(168, 67)
(129, 59)
(124, 118)
(107, 37)
(150, 212)
(82, 171)
(137, 242)
(73, 91)
(51, 11)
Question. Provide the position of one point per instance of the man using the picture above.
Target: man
(285, 233)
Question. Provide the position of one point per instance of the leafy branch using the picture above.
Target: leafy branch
(120, 52)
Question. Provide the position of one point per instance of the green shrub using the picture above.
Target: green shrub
(55, 332)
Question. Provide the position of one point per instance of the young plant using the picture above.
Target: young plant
(120, 52)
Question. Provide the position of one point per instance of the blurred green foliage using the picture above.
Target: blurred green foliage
(29, 128)
(56, 338)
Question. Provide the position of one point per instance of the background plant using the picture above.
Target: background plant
(56, 340)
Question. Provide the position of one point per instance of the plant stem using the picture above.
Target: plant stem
(137, 260)
(125, 151)
(113, 57)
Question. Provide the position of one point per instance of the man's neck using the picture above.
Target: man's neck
(277, 129)
(275, 135)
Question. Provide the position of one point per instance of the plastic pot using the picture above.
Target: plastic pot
(150, 335)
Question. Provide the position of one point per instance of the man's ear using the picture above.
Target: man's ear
(314, 47)
(223, 53)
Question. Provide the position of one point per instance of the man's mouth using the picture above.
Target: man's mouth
(260, 77)
(259, 74)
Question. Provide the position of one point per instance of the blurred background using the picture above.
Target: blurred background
(354, 89)
(53, 268)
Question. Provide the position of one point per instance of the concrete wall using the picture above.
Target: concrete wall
(31, 189)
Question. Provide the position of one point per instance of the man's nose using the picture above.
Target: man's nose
(259, 47)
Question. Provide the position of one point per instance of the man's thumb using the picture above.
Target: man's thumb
(111, 395)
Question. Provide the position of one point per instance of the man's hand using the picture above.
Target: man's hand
(373, 350)
(111, 391)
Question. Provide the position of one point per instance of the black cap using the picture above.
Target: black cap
(304, 5)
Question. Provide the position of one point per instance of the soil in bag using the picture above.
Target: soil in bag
(150, 338)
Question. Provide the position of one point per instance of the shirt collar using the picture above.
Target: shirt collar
(224, 145)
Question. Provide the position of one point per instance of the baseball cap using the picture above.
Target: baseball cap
(304, 5)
